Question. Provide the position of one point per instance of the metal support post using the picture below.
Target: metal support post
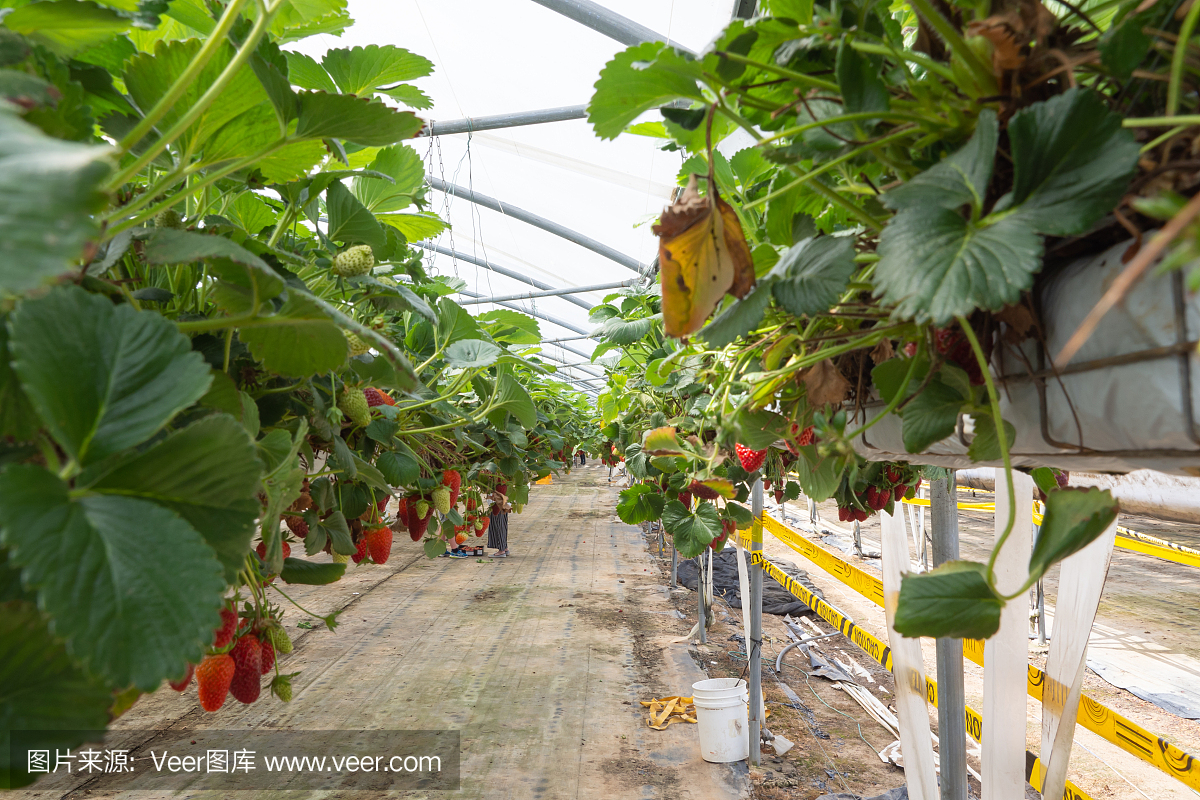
(858, 539)
(1041, 612)
(952, 727)
(755, 634)
(674, 565)
(702, 617)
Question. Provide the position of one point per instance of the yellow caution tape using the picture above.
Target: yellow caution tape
(1093, 715)
(543, 481)
(1128, 540)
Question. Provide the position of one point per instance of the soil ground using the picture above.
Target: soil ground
(539, 660)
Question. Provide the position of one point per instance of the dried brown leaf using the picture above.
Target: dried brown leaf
(825, 384)
(882, 352)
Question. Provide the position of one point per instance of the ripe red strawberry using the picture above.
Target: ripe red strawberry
(452, 479)
(779, 495)
(685, 497)
(844, 514)
(751, 460)
(379, 543)
(471, 504)
(182, 683)
(262, 550)
(899, 492)
(893, 475)
(247, 674)
(383, 501)
(213, 678)
(377, 398)
(917, 486)
(361, 552)
(806, 437)
(860, 515)
(502, 488)
(703, 492)
(485, 520)
(297, 526)
(224, 634)
(268, 655)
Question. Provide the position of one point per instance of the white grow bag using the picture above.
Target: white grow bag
(1135, 409)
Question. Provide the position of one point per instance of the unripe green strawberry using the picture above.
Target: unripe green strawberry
(422, 508)
(357, 346)
(517, 507)
(441, 499)
(281, 687)
(355, 261)
(279, 637)
(353, 404)
(168, 218)
(340, 558)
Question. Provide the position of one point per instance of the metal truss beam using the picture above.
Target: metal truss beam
(602, 20)
(551, 293)
(499, 270)
(540, 222)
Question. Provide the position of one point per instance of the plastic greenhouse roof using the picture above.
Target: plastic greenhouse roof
(505, 56)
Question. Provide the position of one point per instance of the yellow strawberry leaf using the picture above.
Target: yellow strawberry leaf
(703, 256)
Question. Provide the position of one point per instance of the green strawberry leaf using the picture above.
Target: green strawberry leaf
(434, 547)
(738, 319)
(102, 377)
(1063, 182)
(298, 340)
(49, 189)
(641, 503)
(643, 77)
(207, 473)
(953, 600)
(512, 397)
(471, 354)
(398, 469)
(362, 70)
(132, 588)
(18, 420)
(46, 697)
(931, 416)
(691, 531)
(1075, 517)
(811, 275)
(305, 72)
(986, 445)
(349, 220)
(359, 120)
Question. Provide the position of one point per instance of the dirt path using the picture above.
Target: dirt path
(538, 660)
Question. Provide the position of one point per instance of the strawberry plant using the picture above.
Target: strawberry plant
(220, 354)
(908, 175)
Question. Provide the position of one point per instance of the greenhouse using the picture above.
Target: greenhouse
(712, 400)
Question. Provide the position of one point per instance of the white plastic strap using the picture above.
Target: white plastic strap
(908, 668)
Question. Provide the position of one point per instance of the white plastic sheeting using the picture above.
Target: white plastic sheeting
(1129, 416)
(503, 56)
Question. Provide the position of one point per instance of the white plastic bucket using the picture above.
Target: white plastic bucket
(723, 719)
